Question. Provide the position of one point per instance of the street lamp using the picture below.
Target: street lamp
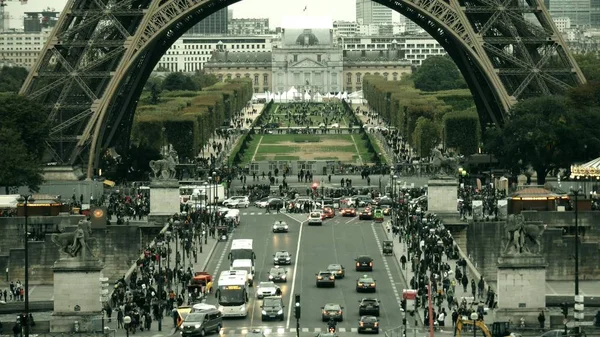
(26, 200)
(215, 198)
(474, 318)
(160, 285)
(127, 321)
(576, 192)
(176, 229)
(394, 198)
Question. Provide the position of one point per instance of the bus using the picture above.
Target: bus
(232, 293)
(241, 249)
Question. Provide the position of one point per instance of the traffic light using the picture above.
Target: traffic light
(417, 302)
(403, 305)
(297, 306)
(565, 309)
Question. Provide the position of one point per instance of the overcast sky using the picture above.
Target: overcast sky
(274, 9)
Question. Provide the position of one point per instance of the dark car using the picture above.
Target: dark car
(278, 274)
(368, 324)
(366, 214)
(332, 311)
(275, 203)
(365, 283)
(282, 257)
(368, 306)
(280, 227)
(272, 308)
(337, 269)
(364, 263)
(325, 278)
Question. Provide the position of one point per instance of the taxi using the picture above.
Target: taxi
(348, 212)
(365, 284)
(387, 210)
(328, 212)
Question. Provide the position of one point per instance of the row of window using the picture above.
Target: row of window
(233, 46)
(401, 46)
(19, 38)
(359, 77)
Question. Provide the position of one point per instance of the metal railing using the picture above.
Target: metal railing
(107, 333)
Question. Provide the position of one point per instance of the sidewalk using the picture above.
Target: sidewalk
(228, 145)
(388, 154)
(43, 292)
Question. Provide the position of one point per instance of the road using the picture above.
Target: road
(339, 240)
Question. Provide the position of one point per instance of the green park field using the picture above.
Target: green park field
(345, 148)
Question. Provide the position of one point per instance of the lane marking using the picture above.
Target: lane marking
(387, 267)
(349, 221)
(225, 250)
(292, 295)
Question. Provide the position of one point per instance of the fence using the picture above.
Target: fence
(107, 333)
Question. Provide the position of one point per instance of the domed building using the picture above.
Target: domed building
(307, 58)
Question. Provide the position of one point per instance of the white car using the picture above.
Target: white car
(264, 289)
(315, 218)
(238, 201)
(334, 126)
(262, 203)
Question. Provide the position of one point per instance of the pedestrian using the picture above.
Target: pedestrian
(403, 262)
(454, 317)
(473, 288)
(465, 282)
(119, 318)
(442, 317)
(542, 319)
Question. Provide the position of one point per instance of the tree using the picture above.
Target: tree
(426, 136)
(203, 80)
(589, 65)
(179, 81)
(438, 73)
(542, 132)
(154, 94)
(12, 78)
(19, 167)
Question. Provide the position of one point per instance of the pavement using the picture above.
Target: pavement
(339, 240)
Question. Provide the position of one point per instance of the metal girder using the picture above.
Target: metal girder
(91, 74)
(73, 120)
(107, 40)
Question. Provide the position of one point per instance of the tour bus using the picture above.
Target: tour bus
(232, 293)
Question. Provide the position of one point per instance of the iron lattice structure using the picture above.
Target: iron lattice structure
(91, 73)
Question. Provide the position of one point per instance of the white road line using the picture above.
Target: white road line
(349, 221)
(257, 146)
(292, 295)
(280, 330)
(387, 267)
(303, 330)
(222, 257)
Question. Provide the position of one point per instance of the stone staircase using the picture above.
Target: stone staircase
(460, 237)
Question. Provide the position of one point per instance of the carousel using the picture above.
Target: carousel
(587, 171)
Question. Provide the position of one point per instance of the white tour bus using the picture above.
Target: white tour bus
(232, 293)
(241, 249)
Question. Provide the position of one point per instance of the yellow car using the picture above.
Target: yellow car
(365, 283)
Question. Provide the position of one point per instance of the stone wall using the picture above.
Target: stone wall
(485, 240)
(117, 247)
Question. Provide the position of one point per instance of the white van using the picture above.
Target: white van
(245, 265)
(233, 214)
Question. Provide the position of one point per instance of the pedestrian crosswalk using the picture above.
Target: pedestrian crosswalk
(278, 330)
(261, 213)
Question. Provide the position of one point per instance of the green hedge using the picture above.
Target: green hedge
(462, 131)
(189, 117)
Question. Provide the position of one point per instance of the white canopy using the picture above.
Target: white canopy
(318, 97)
(9, 201)
(590, 169)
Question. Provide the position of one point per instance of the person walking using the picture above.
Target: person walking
(542, 319)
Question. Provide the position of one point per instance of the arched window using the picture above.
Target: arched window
(394, 76)
(385, 76)
(349, 78)
(358, 76)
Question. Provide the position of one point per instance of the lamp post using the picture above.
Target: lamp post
(176, 229)
(160, 285)
(215, 198)
(474, 318)
(26, 200)
(394, 199)
(127, 321)
(576, 192)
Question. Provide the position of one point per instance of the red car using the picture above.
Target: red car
(329, 212)
(348, 212)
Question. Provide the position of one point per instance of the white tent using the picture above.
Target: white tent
(291, 94)
(307, 96)
(356, 94)
(318, 97)
(9, 201)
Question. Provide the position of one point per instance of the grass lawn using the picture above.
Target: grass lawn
(306, 147)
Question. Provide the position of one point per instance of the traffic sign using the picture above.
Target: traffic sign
(579, 298)
(578, 315)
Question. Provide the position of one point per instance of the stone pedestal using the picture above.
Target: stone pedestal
(77, 296)
(441, 195)
(521, 288)
(164, 200)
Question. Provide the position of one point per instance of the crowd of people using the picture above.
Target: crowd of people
(306, 114)
(434, 261)
(128, 206)
(159, 284)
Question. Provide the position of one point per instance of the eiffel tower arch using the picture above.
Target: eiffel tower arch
(91, 72)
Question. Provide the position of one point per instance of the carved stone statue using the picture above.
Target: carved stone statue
(75, 244)
(522, 238)
(444, 165)
(165, 169)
